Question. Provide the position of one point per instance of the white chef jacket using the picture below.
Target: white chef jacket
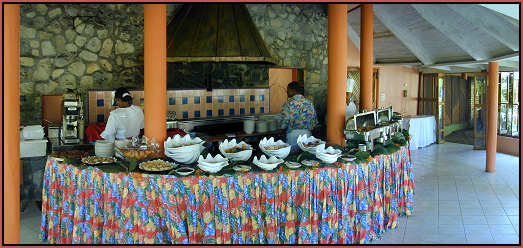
(124, 123)
(350, 110)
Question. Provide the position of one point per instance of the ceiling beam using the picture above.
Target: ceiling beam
(504, 57)
(454, 27)
(391, 17)
(496, 26)
(511, 10)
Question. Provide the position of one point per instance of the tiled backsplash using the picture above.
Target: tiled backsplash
(191, 104)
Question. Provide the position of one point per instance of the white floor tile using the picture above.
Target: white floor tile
(474, 220)
(502, 229)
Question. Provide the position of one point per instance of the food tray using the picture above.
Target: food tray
(158, 165)
(94, 160)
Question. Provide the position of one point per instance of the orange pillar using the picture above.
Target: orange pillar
(337, 48)
(155, 71)
(366, 47)
(11, 124)
(492, 116)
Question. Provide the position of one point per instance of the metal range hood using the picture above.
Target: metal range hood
(215, 33)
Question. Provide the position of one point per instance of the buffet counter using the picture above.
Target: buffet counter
(337, 204)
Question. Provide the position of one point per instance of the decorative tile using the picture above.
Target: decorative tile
(253, 98)
(231, 98)
(220, 112)
(242, 98)
(184, 100)
(262, 110)
(209, 113)
(252, 110)
(196, 100)
(100, 102)
(242, 111)
(197, 114)
(172, 101)
(141, 101)
(231, 112)
(209, 99)
(262, 98)
(220, 99)
(100, 118)
(185, 115)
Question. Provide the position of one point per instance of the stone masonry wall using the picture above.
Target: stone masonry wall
(78, 47)
(97, 46)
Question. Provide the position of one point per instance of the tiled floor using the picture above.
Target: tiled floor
(456, 202)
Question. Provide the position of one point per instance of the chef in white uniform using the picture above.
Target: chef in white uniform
(351, 109)
(126, 121)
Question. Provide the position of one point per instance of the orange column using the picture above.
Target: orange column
(366, 47)
(492, 116)
(337, 45)
(155, 71)
(11, 124)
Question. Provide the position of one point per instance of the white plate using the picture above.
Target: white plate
(293, 165)
(241, 168)
(348, 158)
(309, 162)
(184, 173)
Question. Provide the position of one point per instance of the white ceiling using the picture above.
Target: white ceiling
(443, 37)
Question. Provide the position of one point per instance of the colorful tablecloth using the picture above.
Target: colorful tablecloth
(346, 204)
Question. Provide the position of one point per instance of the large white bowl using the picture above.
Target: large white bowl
(304, 139)
(184, 150)
(280, 153)
(267, 164)
(327, 155)
(236, 156)
(212, 164)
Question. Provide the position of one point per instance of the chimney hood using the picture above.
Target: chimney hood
(215, 33)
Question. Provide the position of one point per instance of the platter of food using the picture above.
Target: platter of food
(237, 148)
(185, 171)
(275, 147)
(241, 168)
(156, 165)
(309, 162)
(292, 165)
(76, 154)
(94, 160)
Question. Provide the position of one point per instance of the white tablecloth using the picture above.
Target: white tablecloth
(422, 130)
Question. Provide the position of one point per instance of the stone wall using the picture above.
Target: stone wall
(296, 35)
(97, 46)
(78, 47)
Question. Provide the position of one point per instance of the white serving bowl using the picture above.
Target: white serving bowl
(280, 153)
(267, 164)
(304, 139)
(327, 155)
(184, 150)
(212, 164)
(235, 156)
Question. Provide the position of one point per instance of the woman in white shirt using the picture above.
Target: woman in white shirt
(126, 121)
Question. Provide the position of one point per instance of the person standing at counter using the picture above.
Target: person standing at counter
(126, 121)
(298, 115)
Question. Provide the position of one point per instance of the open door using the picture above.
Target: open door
(479, 106)
(440, 120)
(431, 100)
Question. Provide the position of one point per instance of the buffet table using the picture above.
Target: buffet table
(422, 130)
(338, 204)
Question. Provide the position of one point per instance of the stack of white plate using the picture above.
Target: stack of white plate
(104, 148)
(212, 164)
(267, 164)
(184, 150)
(327, 155)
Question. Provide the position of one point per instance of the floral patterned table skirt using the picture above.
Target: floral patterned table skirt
(348, 204)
